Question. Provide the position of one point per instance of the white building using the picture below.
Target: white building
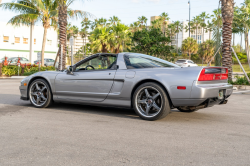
(15, 41)
(185, 34)
(79, 42)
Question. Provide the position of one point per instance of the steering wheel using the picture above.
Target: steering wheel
(86, 68)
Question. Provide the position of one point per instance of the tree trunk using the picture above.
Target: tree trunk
(247, 47)
(43, 45)
(104, 50)
(62, 20)
(177, 44)
(31, 42)
(209, 35)
(227, 10)
(203, 35)
(240, 42)
(57, 55)
(197, 34)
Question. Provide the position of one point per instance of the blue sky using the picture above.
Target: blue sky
(129, 10)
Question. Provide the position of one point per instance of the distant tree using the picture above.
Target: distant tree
(151, 42)
(206, 50)
(189, 46)
(114, 20)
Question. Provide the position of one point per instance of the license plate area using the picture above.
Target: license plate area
(221, 95)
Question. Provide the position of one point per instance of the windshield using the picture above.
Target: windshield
(180, 61)
(136, 61)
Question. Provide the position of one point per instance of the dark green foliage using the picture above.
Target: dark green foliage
(151, 42)
(242, 57)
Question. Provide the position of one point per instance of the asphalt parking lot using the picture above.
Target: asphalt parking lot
(66, 134)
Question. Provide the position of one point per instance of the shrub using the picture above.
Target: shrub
(241, 80)
(28, 70)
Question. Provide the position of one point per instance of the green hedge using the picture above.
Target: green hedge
(241, 80)
(13, 70)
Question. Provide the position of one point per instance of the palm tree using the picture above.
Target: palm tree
(142, 20)
(101, 39)
(114, 20)
(196, 22)
(179, 27)
(227, 10)
(209, 28)
(121, 37)
(134, 26)
(203, 17)
(163, 18)
(189, 46)
(84, 32)
(206, 50)
(34, 11)
(62, 21)
(217, 34)
(241, 17)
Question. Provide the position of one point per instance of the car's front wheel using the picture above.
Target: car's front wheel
(150, 101)
(40, 93)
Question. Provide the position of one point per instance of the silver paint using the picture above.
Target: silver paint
(114, 87)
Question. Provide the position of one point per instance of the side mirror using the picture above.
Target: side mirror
(69, 70)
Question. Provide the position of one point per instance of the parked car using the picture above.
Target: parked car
(185, 63)
(14, 60)
(47, 62)
(150, 85)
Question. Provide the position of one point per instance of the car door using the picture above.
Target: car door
(85, 84)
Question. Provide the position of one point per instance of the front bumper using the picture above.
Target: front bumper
(205, 92)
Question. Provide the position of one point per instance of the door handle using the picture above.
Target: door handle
(109, 73)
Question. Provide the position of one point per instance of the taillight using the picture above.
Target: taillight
(210, 74)
(184, 63)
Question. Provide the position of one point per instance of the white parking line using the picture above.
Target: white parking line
(241, 92)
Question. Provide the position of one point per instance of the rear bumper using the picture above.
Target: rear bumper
(204, 93)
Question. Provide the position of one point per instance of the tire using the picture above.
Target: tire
(187, 109)
(40, 93)
(150, 101)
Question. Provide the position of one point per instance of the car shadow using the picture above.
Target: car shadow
(15, 104)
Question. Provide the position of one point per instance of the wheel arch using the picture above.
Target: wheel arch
(35, 78)
(149, 80)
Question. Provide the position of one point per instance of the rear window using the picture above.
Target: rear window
(180, 61)
(137, 61)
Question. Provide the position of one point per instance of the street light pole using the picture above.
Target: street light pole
(189, 16)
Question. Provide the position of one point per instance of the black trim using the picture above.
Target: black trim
(24, 98)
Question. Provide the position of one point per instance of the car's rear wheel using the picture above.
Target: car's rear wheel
(40, 93)
(150, 101)
(186, 109)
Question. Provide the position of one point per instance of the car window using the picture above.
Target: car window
(190, 62)
(24, 59)
(180, 61)
(145, 61)
(99, 63)
(49, 60)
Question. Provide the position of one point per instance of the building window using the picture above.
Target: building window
(34, 41)
(49, 42)
(6, 39)
(17, 39)
(25, 40)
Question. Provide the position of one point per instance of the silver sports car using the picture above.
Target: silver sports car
(150, 85)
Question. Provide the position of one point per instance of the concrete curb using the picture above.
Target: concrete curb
(16, 77)
(245, 87)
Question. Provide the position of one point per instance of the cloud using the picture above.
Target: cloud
(138, 1)
(154, 1)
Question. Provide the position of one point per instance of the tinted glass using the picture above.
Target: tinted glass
(190, 62)
(24, 59)
(137, 61)
(99, 63)
(180, 61)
